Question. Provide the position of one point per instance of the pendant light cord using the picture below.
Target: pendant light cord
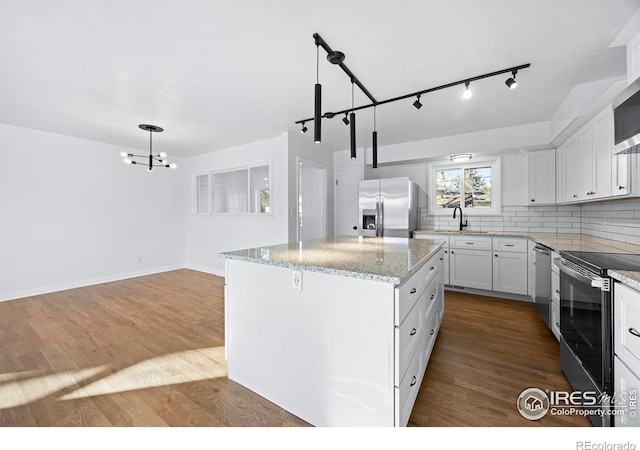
(317, 64)
(352, 88)
(374, 118)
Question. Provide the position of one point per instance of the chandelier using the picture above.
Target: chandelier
(151, 160)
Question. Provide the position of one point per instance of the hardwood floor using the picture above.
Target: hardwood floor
(487, 352)
(149, 351)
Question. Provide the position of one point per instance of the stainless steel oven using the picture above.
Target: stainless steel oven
(585, 325)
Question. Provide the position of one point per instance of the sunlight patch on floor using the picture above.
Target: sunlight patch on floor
(21, 388)
(174, 368)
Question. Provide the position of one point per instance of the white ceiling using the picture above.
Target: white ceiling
(216, 74)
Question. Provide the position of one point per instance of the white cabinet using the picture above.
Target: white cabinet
(570, 163)
(510, 263)
(531, 282)
(510, 272)
(626, 338)
(470, 268)
(542, 177)
(445, 247)
(586, 161)
(602, 159)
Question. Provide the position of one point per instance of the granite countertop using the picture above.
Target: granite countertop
(556, 241)
(389, 260)
(567, 242)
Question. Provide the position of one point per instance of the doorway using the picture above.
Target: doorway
(312, 200)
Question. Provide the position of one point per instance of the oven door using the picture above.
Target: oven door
(584, 312)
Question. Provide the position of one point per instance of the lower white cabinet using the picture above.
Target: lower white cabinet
(470, 268)
(626, 366)
(510, 272)
(626, 384)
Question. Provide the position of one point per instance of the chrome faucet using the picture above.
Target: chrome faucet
(466, 223)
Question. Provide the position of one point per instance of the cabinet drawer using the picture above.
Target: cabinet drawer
(408, 293)
(510, 245)
(408, 337)
(626, 383)
(432, 323)
(627, 326)
(407, 392)
(470, 242)
(555, 320)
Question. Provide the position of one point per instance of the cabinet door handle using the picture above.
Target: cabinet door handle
(445, 252)
(413, 291)
(557, 324)
(432, 332)
(414, 331)
(533, 199)
(508, 245)
(558, 291)
(432, 268)
(620, 188)
(432, 296)
(496, 255)
(414, 380)
(452, 252)
(634, 332)
(575, 195)
(469, 243)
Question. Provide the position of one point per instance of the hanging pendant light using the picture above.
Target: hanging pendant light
(374, 140)
(352, 125)
(152, 160)
(317, 117)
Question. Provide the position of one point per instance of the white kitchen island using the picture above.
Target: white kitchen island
(337, 331)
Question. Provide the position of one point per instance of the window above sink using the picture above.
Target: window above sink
(477, 182)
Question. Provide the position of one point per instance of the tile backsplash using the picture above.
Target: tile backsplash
(617, 220)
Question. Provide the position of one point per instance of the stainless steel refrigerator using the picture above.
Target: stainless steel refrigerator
(388, 207)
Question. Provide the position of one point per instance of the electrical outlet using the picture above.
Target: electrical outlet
(297, 280)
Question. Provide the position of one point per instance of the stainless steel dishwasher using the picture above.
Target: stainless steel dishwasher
(542, 287)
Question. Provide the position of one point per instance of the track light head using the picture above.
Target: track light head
(417, 103)
(511, 82)
(466, 94)
(345, 119)
(304, 128)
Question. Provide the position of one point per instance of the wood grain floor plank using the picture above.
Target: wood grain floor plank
(148, 351)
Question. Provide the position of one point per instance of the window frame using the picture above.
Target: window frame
(494, 163)
(210, 193)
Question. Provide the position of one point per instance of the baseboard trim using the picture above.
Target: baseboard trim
(496, 294)
(205, 269)
(83, 283)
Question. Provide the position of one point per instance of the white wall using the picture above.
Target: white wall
(72, 214)
(207, 237)
(302, 145)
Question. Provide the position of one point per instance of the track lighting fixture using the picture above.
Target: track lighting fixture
(417, 103)
(374, 140)
(317, 118)
(511, 82)
(304, 129)
(152, 160)
(466, 94)
(338, 58)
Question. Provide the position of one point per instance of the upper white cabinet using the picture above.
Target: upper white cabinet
(602, 159)
(586, 156)
(587, 168)
(542, 177)
(570, 163)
